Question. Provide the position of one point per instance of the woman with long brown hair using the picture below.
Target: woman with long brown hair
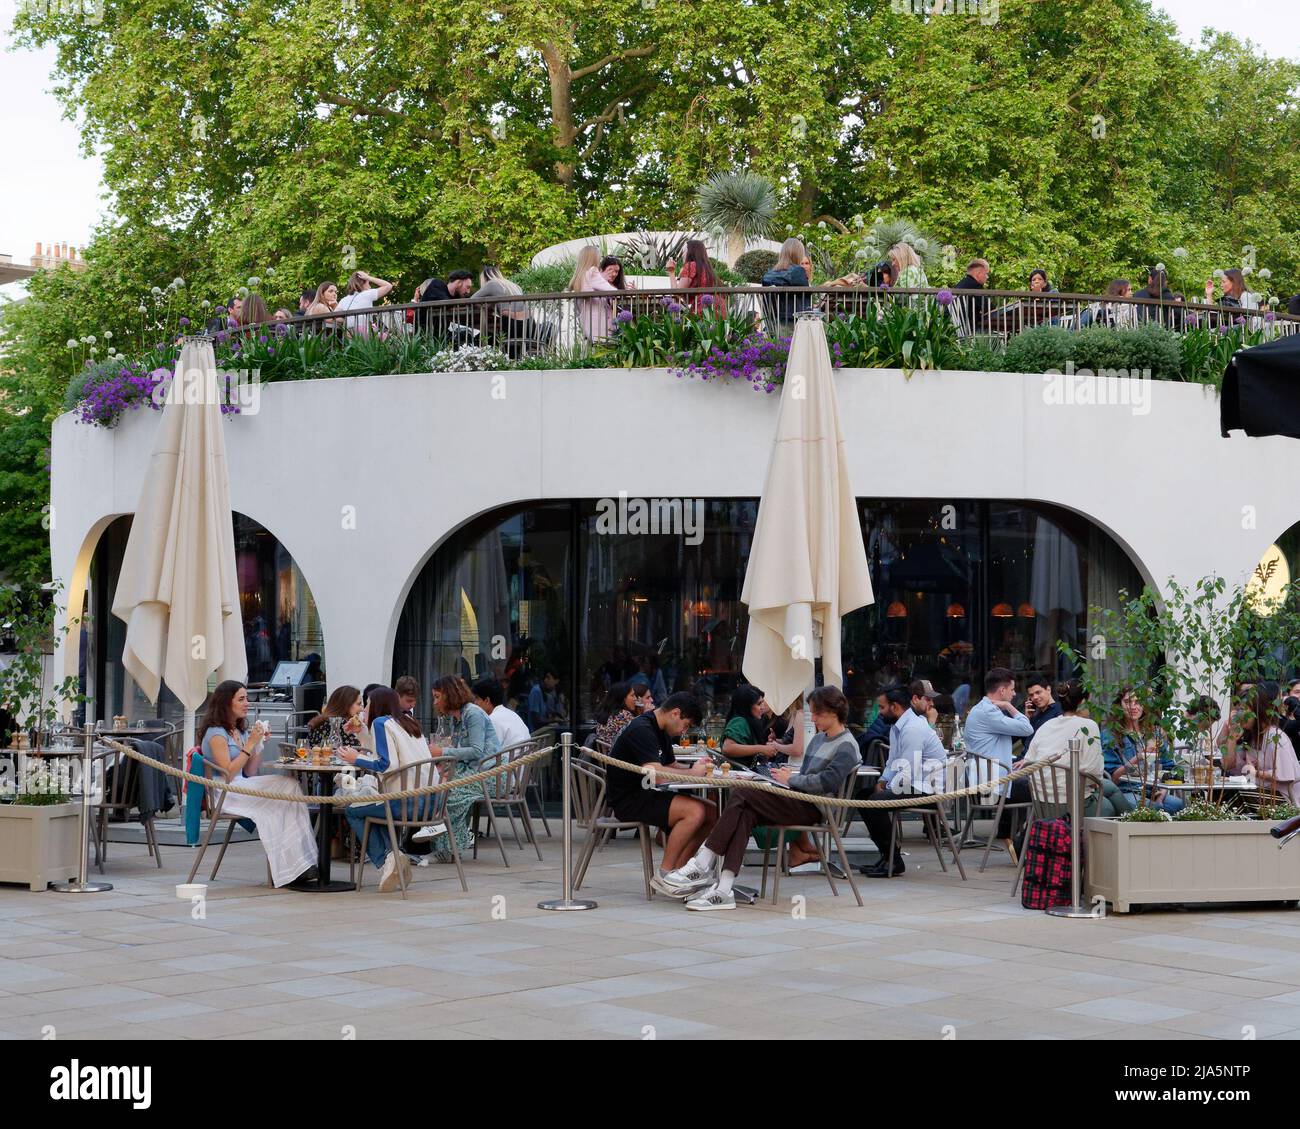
(284, 828)
(397, 742)
(1130, 743)
(345, 705)
(473, 737)
(696, 271)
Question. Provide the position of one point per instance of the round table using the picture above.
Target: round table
(313, 778)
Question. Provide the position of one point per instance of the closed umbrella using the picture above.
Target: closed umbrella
(177, 590)
(807, 564)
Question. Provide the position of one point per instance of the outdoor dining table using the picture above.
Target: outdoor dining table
(314, 777)
(1235, 785)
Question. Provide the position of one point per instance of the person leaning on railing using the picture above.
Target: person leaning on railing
(975, 310)
(1157, 287)
(327, 298)
(436, 321)
(1235, 294)
(792, 268)
(696, 272)
(364, 290)
(1116, 315)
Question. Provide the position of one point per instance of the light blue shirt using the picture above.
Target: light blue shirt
(990, 732)
(912, 741)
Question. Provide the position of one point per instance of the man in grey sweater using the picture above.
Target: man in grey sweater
(831, 756)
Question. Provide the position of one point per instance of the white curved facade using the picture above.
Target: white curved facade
(362, 479)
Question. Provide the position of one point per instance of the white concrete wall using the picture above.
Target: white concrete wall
(417, 456)
(608, 245)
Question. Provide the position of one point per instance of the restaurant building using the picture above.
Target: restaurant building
(597, 523)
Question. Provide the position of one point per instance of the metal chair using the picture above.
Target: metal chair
(821, 834)
(934, 819)
(509, 790)
(119, 797)
(592, 810)
(421, 811)
(981, 770)
(1050, 792)
(216, 813)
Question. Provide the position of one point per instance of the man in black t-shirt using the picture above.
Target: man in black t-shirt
(686, 820)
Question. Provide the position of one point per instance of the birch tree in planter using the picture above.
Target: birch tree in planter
(1171, 650)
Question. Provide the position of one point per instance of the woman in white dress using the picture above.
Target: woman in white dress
(283, 827)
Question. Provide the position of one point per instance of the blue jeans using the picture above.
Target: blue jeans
(377, 846)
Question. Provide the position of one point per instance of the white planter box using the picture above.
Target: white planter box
(39, 845)
(1141, 863)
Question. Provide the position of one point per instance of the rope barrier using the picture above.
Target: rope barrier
(336, 800)
(719, 780)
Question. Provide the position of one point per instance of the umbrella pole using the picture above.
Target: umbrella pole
(189, 795)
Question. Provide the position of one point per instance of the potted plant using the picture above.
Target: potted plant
(40, 828)
(1177, 652)
(27, 617)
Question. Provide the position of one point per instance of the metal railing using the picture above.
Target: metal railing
(575, 325)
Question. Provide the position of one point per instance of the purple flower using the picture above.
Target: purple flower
(706, 299)
(1270, 316)
(944, 297)
(1238, 321)
(1224, 329)
(184, 322)
(624, 316)
(221, 309)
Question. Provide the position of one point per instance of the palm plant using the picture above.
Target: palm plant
(884, 233)
(740, 205)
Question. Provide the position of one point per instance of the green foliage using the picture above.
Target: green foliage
(1049, 348)
(1274, 809)
(1202, 810)
(906, 335)
(889, 230)
(736, 204)
(1206, 351)
(552, 279)
(752, 265)
(28, 615)
(671, 336)
(1168, 649)
(1146, 814)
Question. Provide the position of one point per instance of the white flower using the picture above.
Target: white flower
(1180, 252)
(141, 310)
(821, 224)
(1272, 299)
(156, 291)
(1160, 267)
(1265, 273)
(179, 283)
(242, 292)
(254, 282)
(1247, 269)
(270, 272)
(1218, 273)
(108, 335)
(72, 342)
(93, 350)
(91, 340)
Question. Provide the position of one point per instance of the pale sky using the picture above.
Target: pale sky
(50, 192)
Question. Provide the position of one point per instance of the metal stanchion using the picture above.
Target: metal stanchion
(567, 902)
(79, 885)
(1075, 908)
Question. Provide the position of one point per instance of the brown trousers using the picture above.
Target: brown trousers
(730, 835)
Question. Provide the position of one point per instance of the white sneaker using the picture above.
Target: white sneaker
(388, 880)
(712, 898)
(427, 833)
(684, 881)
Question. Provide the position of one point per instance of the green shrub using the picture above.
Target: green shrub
(726, 275)
(551, 279)
(1037, 350)
(752, 265)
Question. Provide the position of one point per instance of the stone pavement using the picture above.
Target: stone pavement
(929, 957)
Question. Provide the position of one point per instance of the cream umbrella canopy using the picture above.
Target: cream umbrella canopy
(177, 590)
(807, 563)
